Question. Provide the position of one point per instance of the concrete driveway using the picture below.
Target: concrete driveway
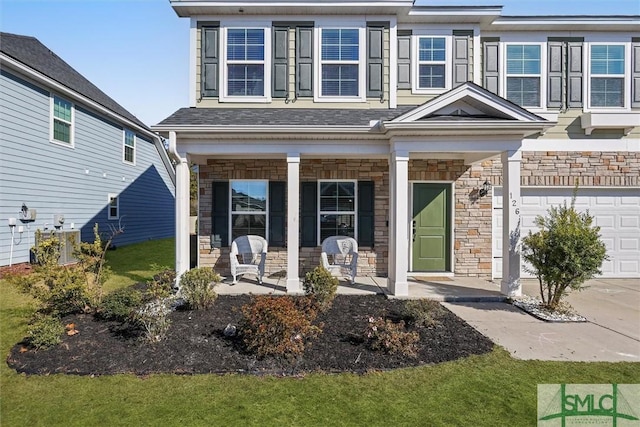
(612, 333)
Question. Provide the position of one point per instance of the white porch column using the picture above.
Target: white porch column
(293, 223)
(182, 208)
(398, 224)
(510, 284)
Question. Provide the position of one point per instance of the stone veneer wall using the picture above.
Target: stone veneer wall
(472, 221)
(561, 169)
(371, 261)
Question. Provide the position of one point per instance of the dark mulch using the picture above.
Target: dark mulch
(196, 344)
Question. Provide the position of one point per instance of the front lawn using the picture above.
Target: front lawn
(491, 389)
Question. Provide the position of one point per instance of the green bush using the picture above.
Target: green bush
(321, 286)
(197, 287)
(566, 252)
(44, 331)
(120, 304)
(161, 286)
(391, 337)
(422, 312)
(278, 326)
(153, 317)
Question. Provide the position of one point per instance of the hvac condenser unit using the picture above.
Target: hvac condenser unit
(67, 239)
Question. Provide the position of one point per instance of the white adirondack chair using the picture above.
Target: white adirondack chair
(248, 256)
(340, 256)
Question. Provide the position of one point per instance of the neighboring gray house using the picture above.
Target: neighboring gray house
(72, 155)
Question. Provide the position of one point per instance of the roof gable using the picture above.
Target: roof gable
(465, 103)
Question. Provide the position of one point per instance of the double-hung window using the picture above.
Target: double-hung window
(248, 208)
(607, 75)
(337, 209)
(432, 57)
(61, 121)
(245, 62)
(113, 207)
(129, 147)
(339, 62)
(524, 74)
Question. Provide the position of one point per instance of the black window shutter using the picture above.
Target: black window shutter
(304, 62)
(366, 225)
(556, 59)
(220, 211)
(210, 61)
(635, 72)
(277, 213)
(309, 216)
(462, 40)
(491, 62)
(574, 65)
(404, 60)
(374, 61)
(280, 78)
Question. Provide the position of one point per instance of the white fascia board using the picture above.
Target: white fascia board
(456, 11)
(610, 145)
(252, 130)
(305, 148)
(440, 145)
(454, 128)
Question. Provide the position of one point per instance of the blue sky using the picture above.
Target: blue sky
(136, 51)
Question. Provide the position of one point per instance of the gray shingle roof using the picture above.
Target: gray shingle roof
(30, 52)
(280, 116)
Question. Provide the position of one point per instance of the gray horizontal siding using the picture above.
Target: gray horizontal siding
(53, 180)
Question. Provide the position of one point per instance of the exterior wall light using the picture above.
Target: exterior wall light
(486, 188)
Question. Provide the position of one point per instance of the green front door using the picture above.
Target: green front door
(431, 227)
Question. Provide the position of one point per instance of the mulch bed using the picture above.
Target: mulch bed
(196, 344)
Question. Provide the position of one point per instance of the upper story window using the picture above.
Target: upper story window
(248, 208)
(607, 69)
(245, 62)
(61, 120)
(524, 74)
(337, 208)
(129, 147)
(340, 68)
(432, 59)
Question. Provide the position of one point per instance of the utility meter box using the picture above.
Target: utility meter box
(28, 215)
(58, 220)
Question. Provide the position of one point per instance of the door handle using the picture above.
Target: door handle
(413, 230)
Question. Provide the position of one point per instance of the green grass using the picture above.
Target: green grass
(492, 389)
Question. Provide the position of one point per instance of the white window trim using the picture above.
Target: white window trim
(362, 60)
(232, 211)
(587, 76)
(354, 212)
(223, 93)
(109, 197)
(71, 143)
(124, 147)
(415, 64)
(542, 76)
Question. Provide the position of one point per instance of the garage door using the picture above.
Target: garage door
(616, 211)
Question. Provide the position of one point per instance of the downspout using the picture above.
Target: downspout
(182, 208)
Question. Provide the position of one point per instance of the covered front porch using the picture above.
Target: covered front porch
(459, 289)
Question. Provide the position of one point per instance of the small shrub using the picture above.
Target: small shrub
(321, 286)
(422, 312)
(44, 331)
(391, 337)
(278, 326)
(197, 287)
(120, 305)
(153, 317)
(161, 285)
(566, 252)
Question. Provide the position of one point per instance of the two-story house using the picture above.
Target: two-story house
(433, 135)
(71, 157)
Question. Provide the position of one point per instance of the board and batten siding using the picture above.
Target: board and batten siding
(74, 181)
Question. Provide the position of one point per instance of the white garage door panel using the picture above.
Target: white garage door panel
(616, 212)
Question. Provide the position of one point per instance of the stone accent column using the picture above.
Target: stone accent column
(511, 224)
(398, 230)
(182, 212)
(293, 223)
